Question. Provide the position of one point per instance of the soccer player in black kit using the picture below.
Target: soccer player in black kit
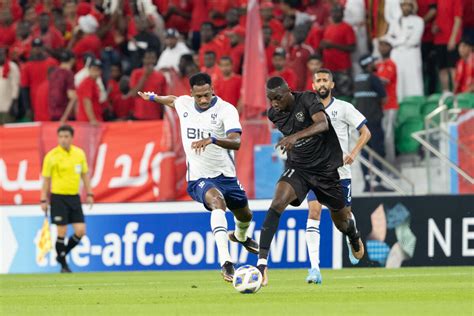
(314, 154)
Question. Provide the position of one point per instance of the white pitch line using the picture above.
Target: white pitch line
(356, 276)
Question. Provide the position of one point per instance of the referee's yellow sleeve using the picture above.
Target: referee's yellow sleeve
(46, 172)
(85, 167)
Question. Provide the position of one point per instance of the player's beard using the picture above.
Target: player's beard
(323, 95)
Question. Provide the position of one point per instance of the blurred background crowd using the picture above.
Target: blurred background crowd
(85, 60)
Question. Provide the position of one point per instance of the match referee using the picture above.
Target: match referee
(63, 168)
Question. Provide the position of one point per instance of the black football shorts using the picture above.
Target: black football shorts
(326, 185)
(66, 209)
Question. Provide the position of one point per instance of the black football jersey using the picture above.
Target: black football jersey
(316, 153)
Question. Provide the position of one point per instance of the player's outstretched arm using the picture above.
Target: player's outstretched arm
(167, 100)
(320, 125)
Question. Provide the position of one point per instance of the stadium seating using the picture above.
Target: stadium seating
(414, 99)
(465, 100)
(408, 110)
(428, 107)
(434, 97)
(404, 143)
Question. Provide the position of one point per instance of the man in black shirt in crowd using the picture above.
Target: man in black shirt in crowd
(314, 154)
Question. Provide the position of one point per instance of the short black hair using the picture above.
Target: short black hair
(66, 56)
(293, 3)
(467, 40)
(117, 64)
(66, 128)
(151, 51)
(325, 71)
(315, 57)
(200, 79)
(187, 58)
(276, 82)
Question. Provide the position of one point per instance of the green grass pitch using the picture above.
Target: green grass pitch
(406, 291)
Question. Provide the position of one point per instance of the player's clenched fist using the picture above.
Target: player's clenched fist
(201, 145)
(287, 143)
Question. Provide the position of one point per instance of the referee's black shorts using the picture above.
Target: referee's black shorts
(66, 209)
(326, 185)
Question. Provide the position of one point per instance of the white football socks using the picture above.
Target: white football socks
(219, 229)
(241, 230)
(312, 241)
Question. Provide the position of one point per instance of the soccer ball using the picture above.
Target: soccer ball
(247, 279)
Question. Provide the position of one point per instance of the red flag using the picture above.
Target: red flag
(255, 65)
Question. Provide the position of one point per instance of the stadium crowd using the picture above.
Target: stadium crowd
(85, 60)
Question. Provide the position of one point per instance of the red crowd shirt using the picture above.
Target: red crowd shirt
(52, 39)
(387, 70)
(176, 21)
(468, 13)
(214, 72)
(465, 74)
(7, 35)
(15, 10)
(219, 45)
(21, 49)
(423, 8)
(122, 107)
(289, 75)
(199, 14)
(298, 57)
(33, 74)
(321, 10)
(90, 43)
(221, 6)
(315, 36)
(446, 11)
(61, 81)
(41, 100)
(228, 89)
(309, 81)
(342, 34)
(90, 90)
(269, 50)
(156, 82)
(277, 30)
(237, 54)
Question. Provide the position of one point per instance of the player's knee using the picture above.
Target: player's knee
(61, 230)
(314, 210)
(216, 202)
(279, 204)
(80, 232)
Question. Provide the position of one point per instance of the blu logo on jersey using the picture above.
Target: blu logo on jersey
(197, 133)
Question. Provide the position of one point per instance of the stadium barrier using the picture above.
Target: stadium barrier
(436, 230)
(156, 236)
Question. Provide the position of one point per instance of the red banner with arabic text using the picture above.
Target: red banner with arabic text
(129, 161)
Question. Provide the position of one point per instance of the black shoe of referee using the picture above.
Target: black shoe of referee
(64, 266)
(249, 244)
